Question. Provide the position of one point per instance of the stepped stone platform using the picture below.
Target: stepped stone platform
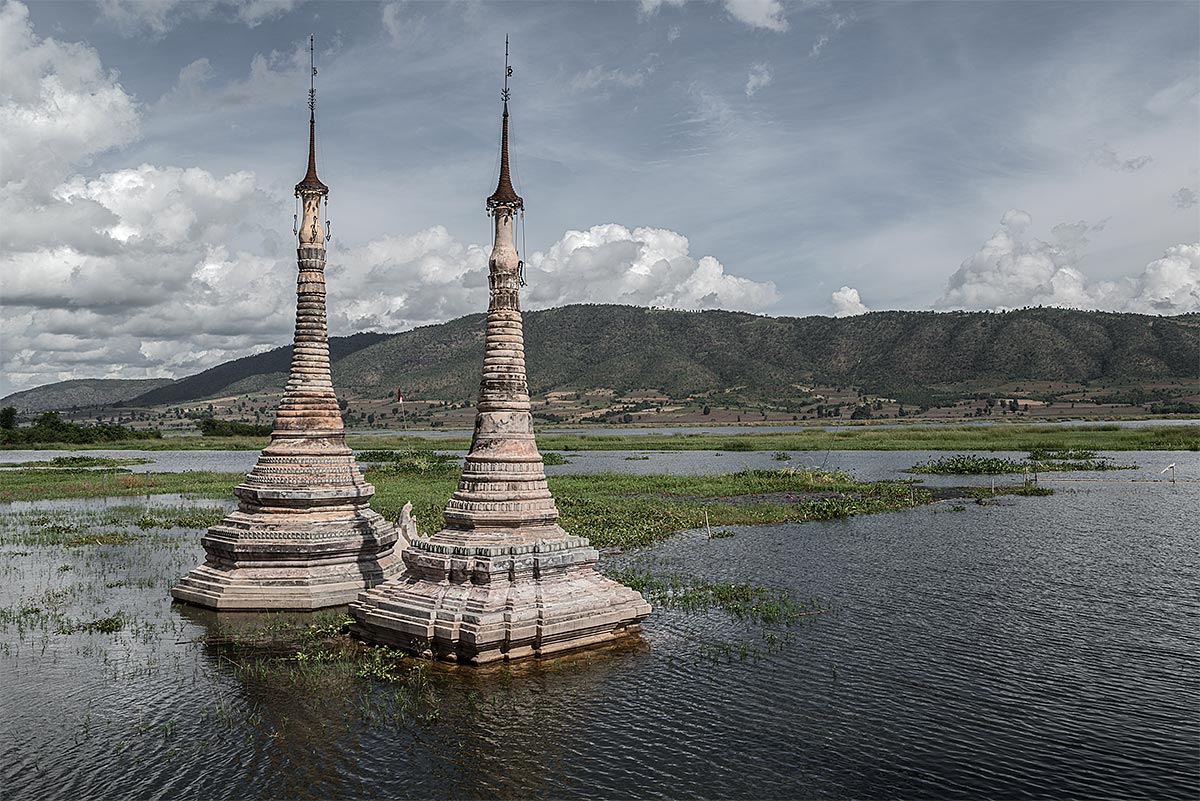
(502, 580)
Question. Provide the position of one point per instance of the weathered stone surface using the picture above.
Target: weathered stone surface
(502, 580)
(303, 536)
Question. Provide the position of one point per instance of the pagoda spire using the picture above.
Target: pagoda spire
(505, 195)
(303, 535)
(310, 182)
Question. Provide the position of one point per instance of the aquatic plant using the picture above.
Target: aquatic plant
(551, 457)
(411, 462)
(754, 603)
(1039, 461)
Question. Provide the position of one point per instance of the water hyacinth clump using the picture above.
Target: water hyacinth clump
(411, 462)
(1038, 461)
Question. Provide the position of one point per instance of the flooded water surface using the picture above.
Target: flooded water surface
(1025, 647)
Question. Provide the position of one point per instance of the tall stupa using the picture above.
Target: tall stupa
(501, 580)
(303, 535)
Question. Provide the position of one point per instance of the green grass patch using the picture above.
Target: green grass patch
(1042, 462)
(995, 437)
(35, 484)
(410, 462)
(75, 462)
(552, 457)
(610, 509)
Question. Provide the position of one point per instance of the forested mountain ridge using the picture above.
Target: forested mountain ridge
(684, 353)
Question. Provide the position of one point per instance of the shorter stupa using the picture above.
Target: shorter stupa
(502, 580)
(303, 536)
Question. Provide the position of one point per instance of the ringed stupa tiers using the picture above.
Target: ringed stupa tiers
(502, 579)
(303, 536)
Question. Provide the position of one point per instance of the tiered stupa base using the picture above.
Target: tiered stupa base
(302, 538)
(477, 597)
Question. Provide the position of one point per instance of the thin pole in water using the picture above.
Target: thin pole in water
(707, 525)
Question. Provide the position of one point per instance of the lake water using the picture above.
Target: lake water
(1039, 647)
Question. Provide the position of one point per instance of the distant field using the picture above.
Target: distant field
(1108, 437)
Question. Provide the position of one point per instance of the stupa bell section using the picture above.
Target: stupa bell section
(502, 580)
(303, 535)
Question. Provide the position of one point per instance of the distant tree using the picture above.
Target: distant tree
(627, 418)
(706, 410)
(863, 412)
(8, 418)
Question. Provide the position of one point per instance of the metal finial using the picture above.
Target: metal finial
(507, 71)
(312, 79)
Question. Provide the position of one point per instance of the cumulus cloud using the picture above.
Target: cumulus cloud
(766, 14)
(1012, 270)
(645, 267)
(760, 76)
(847, 303)
(445, 278)
(59, 105)
(1185, 198)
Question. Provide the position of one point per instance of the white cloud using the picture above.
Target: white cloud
(847, 303)
(58, 103)
(1011, 271)
(766, 14)
(818, 45)
(760, 76)
(604, 264)
(645, 267)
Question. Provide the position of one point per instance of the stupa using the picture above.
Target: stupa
(303, 535)
(501, 580)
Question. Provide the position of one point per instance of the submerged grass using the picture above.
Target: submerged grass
(749, 602)
(323, 655)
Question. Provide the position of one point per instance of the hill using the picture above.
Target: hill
(81, 393)
(903, 354)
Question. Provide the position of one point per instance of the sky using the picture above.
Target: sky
(781, 158)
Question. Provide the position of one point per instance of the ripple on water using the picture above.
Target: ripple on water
(1040, 647)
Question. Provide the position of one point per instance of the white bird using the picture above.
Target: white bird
(1168, 467)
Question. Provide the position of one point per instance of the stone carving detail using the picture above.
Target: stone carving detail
(303, 535)
(502, 580)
